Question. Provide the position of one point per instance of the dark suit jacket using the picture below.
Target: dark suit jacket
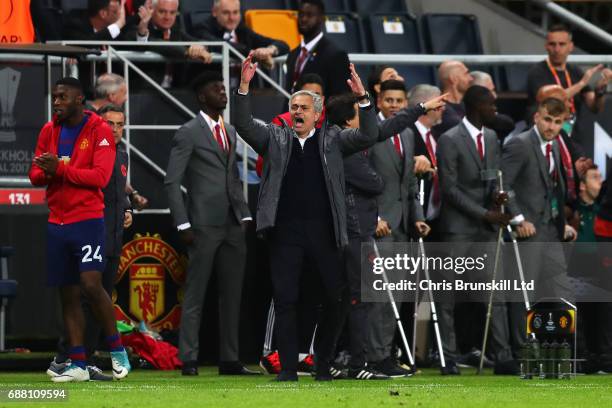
(115, 204)
(210, 176)
(181, 73)
(78, 27)
(466, 197)
(363, 184)
(248, 39)
(398, 204)
(326, 60)
(420, 149)
(525, 173)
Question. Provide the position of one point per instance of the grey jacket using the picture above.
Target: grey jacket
(525, 173)
(210, 176)
(275, 143)
(398, 203)
(466, 197)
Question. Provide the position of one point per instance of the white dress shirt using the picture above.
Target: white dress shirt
(474, 132)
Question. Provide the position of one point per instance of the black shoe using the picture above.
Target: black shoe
(322, 372)
(472, 359)
(286, 376)
(450, 369)
(306, 366)
(391, 368)
(509, 367)
(235, 368)
(190, 368)
(95, 374)
(366, 373)
(338, 371)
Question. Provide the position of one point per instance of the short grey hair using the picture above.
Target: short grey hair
(107, 84)
(422, 93)
(480, 78)
(316, 99)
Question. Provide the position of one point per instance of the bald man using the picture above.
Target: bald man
(455, 79)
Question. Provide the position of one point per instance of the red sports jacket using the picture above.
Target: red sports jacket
(75, 192)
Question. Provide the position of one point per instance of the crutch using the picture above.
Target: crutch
(517, 255)
(394, 307)
(415, 314)
(432, 304)
(500, 238)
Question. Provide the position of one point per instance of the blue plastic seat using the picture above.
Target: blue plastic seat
(367, 7)
(399, 34)
(345, 31)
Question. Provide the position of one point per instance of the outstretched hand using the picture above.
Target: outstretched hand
(436, 103)
(354, 82)
(248, 72)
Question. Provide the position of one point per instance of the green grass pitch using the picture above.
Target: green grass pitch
(153, 389)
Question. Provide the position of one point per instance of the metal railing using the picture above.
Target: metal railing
(111, 53)
(129, 57)
(573, 19)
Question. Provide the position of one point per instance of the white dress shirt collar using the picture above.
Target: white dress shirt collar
(474, 132)
(302, 140)
(212, 124)
(312, 43)
(423, 132)
(543, 144)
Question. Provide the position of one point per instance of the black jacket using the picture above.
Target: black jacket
(248, 40)
(78, 27)
(275, 143)
(115, 204)
(363, 184)
(328, 61)
(181, 72)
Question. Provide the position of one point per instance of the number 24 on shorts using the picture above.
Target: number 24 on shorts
(87, 250)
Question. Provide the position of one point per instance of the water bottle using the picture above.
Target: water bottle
(564, 355)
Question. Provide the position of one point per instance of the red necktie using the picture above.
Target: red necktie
(430, 149)
(566, 160)
(398, 146)
(219, 138)
(480, 146)
(548, 156)
(299, 64)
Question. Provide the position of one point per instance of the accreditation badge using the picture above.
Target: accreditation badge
(554, 207)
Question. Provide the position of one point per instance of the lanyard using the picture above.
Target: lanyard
(558, 81)
(225, 136)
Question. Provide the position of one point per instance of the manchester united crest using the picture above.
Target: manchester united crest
(149, 284)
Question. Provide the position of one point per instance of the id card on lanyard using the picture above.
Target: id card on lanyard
(568, 80)
(554, 208)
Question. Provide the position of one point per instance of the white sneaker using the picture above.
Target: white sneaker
(121, 364)
(72, 373)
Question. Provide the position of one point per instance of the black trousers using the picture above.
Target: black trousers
(359, 312)
(291, 244)
(93, 330)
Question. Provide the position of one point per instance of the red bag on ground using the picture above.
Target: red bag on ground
(162, 355)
